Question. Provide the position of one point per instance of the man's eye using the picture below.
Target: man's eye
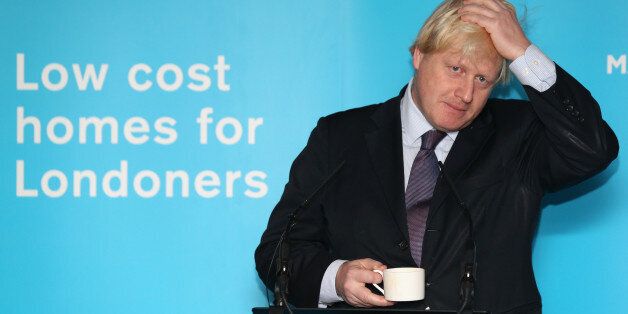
(482, 79)
(455, 68)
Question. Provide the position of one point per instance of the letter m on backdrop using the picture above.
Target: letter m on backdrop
(611, 63)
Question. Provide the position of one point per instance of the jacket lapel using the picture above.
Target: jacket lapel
(464, 152)
(386, 154)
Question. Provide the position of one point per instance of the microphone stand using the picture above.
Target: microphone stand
(282, 268)
(467, 281)
(282, 262)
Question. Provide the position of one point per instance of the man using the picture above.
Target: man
(389, 207)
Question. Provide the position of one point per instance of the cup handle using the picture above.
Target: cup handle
(376, 286)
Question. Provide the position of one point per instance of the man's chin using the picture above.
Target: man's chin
(452, 120)
(450, 126)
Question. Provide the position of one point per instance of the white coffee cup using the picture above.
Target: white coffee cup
(403, 283)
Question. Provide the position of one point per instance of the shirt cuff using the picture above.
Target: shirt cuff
(534, 69)
(328, 293)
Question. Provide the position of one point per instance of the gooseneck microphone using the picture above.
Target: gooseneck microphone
(468, 269)
(282, 261)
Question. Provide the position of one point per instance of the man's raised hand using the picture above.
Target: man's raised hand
(500, 21)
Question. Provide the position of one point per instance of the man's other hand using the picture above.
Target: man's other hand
(351, 280)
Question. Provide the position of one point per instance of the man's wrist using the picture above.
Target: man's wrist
(521, 51)
(328, 293)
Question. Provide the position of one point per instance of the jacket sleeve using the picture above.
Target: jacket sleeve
(574, 142)
(309, 254)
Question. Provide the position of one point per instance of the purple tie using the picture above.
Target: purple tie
(419, 191)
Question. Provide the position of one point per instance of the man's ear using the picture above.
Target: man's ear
(417, 55)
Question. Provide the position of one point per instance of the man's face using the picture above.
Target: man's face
(450, 89)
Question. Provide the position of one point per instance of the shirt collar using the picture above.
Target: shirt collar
(413, 122)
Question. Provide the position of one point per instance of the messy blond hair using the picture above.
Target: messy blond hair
(444, 29)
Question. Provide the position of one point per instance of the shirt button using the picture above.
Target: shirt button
(535, 62)
(427, 308)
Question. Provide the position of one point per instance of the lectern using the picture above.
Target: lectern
(265, 310)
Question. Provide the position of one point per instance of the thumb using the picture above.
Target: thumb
(371, 264)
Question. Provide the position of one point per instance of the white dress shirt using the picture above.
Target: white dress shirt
(533, 68)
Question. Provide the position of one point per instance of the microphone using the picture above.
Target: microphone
(468, 272)
(282, 262)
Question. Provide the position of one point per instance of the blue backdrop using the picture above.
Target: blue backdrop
(202, 106)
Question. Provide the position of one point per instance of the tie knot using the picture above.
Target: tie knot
(430, 139)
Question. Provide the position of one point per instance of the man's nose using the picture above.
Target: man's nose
(465, 90)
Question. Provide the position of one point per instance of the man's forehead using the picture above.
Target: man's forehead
(480, 61)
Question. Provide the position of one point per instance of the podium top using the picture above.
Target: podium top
(265, 310)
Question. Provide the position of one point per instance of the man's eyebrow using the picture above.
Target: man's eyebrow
(485, 75)
(488, 76)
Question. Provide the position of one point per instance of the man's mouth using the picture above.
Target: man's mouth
(456, 107)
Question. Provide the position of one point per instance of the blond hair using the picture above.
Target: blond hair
(444, 29)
